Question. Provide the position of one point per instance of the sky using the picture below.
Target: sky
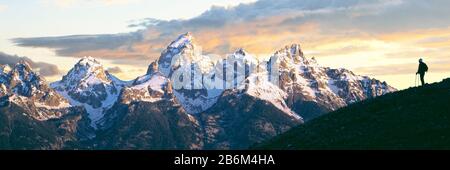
(380, 38)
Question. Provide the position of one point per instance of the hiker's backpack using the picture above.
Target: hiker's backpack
(425, 68)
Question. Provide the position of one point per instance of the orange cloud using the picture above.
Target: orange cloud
(414, 35)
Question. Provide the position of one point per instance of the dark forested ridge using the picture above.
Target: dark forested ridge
(415, 118)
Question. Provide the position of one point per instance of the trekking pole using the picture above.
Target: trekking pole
(415, 81)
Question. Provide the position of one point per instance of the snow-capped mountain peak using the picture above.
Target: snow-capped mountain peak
(291, 55)
(22, 68)
(24, 87)
(147, 88)
(88, 84)
(183, 55)
(179, 52)
(89, 62)
(23, 64)
(152, 68)
(241, 54)
(87, 70)
(23, 80)
(184, 40)
(241, 51)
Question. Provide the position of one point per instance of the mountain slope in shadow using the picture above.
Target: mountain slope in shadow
(415, 118)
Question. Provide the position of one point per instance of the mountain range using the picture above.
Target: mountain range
(89, 108)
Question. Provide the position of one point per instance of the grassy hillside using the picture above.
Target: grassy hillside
(416, 118)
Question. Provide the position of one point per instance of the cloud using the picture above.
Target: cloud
(43, 68)
(266, 25)
(70, 3)
(114, 70)
(74, 45)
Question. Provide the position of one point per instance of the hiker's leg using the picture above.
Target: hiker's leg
(422, 78)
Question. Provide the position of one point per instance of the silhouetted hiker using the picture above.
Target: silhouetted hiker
(422, 69)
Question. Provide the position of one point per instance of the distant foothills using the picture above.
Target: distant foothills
(90, 108)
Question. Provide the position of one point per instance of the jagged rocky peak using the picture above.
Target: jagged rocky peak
(148, 88)
(4, 71)
(4, 68)
(295, 50)
(240, 58)
(184, 40)
(24, 64)
(87, 69)
(22, 68)
(88, 60)
(87, 82)
(23, 80)
(29, 90)
(87, 72)
(184, 49)
(89, 85)
(3, 91)
(241, 51)
(151, 87)
(152, 68)
(291, 54)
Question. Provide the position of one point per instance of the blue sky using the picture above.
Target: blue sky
(62, 17)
